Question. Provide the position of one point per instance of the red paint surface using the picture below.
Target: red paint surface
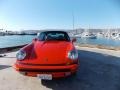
(47, 55)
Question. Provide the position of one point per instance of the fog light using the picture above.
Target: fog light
(23, 73)
(68, 63)
(67, 73)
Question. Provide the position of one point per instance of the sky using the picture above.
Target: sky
(58, 14)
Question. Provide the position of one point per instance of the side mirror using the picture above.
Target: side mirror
(35, 39)
(74, 40)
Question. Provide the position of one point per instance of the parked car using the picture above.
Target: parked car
(51, 55)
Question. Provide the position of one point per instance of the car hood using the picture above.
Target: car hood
(51, 52)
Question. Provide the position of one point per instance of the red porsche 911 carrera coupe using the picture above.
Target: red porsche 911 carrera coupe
(51, 55)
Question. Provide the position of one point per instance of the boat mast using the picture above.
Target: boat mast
(73, 20)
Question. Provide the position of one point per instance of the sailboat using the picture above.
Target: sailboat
(88, 35)
(2, 33)
(115, 36)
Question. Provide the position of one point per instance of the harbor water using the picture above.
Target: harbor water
(15, 40)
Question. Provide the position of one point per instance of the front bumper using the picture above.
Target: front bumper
(55, 71)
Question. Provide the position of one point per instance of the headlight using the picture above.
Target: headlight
(21, 55)
(73, 55)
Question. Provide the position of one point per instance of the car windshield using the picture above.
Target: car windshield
(53, 35)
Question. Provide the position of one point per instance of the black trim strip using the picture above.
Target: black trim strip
(43, 64)
(44, 70)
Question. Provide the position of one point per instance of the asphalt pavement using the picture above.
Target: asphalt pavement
(97, 71)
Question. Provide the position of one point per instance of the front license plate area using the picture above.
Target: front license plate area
(45, 76)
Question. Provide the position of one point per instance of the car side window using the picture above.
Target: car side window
(41, 36)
